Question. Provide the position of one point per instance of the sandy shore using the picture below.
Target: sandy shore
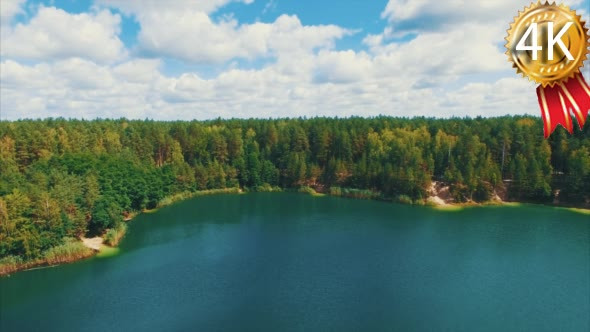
(95, 243)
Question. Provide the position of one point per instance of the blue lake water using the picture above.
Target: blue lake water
(292, 262)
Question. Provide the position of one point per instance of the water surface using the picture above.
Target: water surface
(291, 262)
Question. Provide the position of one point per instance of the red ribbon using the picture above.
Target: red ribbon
(557, 101)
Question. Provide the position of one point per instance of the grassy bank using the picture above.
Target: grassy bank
(404, 199)
(71, 251)
(191, 194)
(68, 252)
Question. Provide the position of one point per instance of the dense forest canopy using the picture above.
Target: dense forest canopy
(60, 179)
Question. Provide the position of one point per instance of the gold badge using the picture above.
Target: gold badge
(547, 43)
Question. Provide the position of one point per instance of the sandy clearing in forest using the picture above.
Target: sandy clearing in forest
(94, 243)
(437, 200)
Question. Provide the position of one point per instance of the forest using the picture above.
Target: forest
(61, 179)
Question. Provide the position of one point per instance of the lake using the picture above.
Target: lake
(292, 262)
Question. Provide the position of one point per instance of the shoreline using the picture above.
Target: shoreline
(82, 252)
(99, 246)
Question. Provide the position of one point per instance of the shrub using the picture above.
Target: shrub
(106, 213)
(404, 199)
(307, 190)
(114, 235)
(355, 193)
(265, 187)
(336, 191)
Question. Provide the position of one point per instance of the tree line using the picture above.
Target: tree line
(60, 179)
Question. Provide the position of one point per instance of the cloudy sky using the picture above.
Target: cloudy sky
(202, 59)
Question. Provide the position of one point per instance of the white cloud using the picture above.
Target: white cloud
(9, 9)
(289, 37)
(463, 9)
(193, 36)
(137, 89)
(455, 70)
(493, 99)
(55, 34)
(77, 88)
(138, 70)
(468, 49)
(452, 40)
(343, 67)
(430, 15)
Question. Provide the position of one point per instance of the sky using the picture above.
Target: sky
(204, 59)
